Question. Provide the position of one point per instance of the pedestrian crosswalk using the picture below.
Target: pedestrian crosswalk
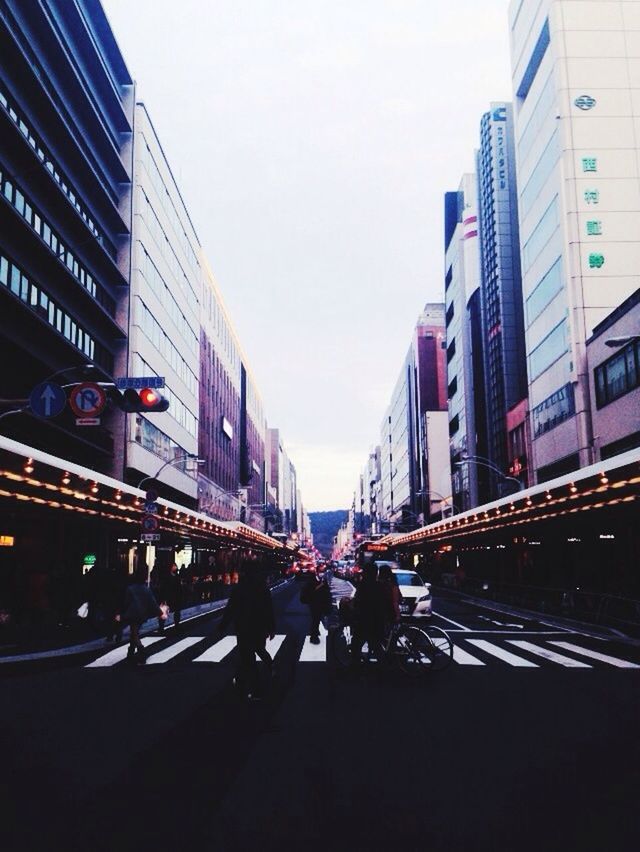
(467, 652)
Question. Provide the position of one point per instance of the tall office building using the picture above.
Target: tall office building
(66, 122)
(576, 76)
(164, 325)
(505, 372)
(465, 373)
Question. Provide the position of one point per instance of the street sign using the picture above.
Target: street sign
(152, 495)
(150, 536)
(139, 382)
(87, 421)
(47, 399)
(149, 523)
(87, 400)
(151, 508)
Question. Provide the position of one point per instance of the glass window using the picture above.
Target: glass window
(19, 202)
(549, 350)
(44, 301)
(541, 235)
(24, 289)
(4, 271)
(550, 284)
(52, 312)
(8, 190)
(28, 213)
(616, 375)
(15, 280)
(632, 371)
(46, 233)
(540, 174)
(67, 327)
(34, 296)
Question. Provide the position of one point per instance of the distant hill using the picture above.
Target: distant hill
(324, 526)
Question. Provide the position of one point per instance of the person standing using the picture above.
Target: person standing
(250, 610)
(317, 595)
(139, 605)
(369, 611)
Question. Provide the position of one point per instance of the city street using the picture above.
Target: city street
(527, 741)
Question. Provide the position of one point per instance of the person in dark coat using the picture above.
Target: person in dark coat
(317, 595)
(139, 605)
(250, 610)
(369, 612)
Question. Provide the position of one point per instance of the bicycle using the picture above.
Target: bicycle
(414, 650)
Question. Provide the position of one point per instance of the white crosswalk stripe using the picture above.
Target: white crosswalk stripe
(547, 654)
(317, 653)
(218, 651)
(502, 654)
(596, 655)
(120, 654)
(173, 650)
(463, 657)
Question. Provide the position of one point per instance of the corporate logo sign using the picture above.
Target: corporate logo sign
(585, 102)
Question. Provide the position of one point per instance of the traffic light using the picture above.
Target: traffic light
(144, 400)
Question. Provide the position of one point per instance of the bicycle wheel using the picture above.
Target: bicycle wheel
(412, 650)
(341, 644)
(442, 647)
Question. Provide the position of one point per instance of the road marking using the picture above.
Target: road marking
(493, 632)
(219, 651)
(506, 656)
(464, 658)
(315, 653)
(273, 645)
(174, 650)
(451, 621)
(119, 654)
(549, 655)
(596, 655)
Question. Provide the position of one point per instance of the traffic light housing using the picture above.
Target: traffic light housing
(145, 400)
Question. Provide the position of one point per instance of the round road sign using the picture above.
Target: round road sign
(150, 524)
(47, 399)
(87, 400)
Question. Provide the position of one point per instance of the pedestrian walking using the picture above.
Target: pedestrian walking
(317, 595)
(250, 610)
(171, 596)
(139, 605)
(369, 612)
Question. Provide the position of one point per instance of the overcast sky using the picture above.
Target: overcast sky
(312, 141)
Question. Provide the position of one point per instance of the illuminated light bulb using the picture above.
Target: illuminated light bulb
(603, 479)
(548, 496)
(28, 467)
(528, 501)
(118, 495)
(94, 488)
(66, 479)
(572, 488)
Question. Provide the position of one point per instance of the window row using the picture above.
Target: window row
(43, 155)
(165, 347)
(218, 319)
(177, 409)
(155, 441)
(161, 290)
(555, 344)
(618, 375)
(168, 206)
(34, 218)
(540, 235)
(15, 280)
(540, 174)
(529, 135)
(548, 287)
(164, 244)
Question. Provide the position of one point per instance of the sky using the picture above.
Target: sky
(313, 141)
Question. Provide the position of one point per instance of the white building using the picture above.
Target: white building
(164, 323)
(576, 84)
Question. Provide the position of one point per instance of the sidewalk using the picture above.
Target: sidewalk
(15, 654)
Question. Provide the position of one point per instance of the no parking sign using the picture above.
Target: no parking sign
(87, 401)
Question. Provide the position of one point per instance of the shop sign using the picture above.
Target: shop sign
(89, 559)
(7, 540)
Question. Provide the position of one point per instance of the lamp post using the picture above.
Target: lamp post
(448, 501)
(170, 463)
(481, 462)
(622, 340)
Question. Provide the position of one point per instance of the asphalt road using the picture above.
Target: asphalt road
(513, 747)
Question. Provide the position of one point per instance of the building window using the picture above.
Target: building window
(549, 350)
(451, 350)
(453, 387)
(449, 314)
(454, 425)
(618, 375)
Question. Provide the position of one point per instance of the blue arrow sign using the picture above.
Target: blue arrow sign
(47, 399)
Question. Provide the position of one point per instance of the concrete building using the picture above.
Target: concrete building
(614, 376)
(465, 360)
(66, 122)
(164, 325)
(505, 371)
(576, 67)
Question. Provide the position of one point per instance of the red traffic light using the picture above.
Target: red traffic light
(146, 399)
(149, 397)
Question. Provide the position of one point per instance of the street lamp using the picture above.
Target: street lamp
(170, 463)
(446, 500)
(486, 463)
(615, 342)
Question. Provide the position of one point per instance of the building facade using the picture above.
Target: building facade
(164, 325)
(66, 121)
(576, 111)
(505, 373)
